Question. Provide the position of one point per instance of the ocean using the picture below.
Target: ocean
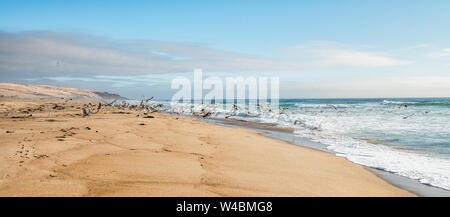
(406, 136)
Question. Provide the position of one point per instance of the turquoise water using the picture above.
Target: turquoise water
(420, 124)
(409, 136)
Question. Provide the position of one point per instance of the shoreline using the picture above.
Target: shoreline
(57, 152)
(287, 135)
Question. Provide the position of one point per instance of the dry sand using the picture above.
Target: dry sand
(56, 152)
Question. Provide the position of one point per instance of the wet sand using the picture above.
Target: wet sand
(54, 151)
(286, 134)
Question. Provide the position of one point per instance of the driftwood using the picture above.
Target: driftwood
(99, 106)
(58, 107)
(111, 103)
(85, 112)
(206, 114)
(89, 108)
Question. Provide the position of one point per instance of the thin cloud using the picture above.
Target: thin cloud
(418, 86)
(442, 53)
(356, 58)
(34, 54)
(326, 54)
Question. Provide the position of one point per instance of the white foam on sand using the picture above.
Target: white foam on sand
(430, 170)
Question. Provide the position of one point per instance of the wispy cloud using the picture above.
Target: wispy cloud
(50, 54)
(333, 54)
(417, 86)
(441, 53)
(356, 58)
(57, 54)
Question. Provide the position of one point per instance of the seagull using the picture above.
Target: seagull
(332, 106)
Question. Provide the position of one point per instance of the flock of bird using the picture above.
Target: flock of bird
(207, 110)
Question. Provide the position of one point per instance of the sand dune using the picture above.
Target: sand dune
(35, 92)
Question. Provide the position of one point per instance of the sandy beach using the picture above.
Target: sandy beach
(57, 152)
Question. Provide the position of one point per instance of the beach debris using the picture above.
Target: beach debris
(99, 107)
(205, 113)
(70, 133)
(148, 116)
(121, 112)
(69, 130)
(16, 117)
(58, 107)
(40, 156)
(85, 112)
(87, 128)
(9, 131)
(111, 103)
(123, 105)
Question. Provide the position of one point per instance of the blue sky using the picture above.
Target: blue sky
(317, 48)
